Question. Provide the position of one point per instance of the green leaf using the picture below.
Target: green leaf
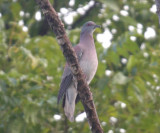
(131, 63)
(120, 78)
(52, 100)
(15, 8)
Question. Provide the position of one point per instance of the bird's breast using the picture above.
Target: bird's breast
(89, 63)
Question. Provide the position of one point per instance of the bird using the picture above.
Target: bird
(88, 61)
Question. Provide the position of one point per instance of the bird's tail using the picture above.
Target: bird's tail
(69, 106)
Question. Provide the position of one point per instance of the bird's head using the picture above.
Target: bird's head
(89, 27)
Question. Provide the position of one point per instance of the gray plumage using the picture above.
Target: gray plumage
(87, 58)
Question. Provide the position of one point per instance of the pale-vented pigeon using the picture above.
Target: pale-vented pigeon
(87, 58)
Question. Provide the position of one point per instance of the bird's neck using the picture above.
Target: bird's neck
(87, 39)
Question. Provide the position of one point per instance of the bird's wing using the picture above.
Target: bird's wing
(67, 77)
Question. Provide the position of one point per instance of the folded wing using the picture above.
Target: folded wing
(67, 77)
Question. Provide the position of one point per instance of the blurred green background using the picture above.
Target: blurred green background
(126, 88)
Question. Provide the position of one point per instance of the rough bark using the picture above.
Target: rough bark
(66, 47)
(158, 9)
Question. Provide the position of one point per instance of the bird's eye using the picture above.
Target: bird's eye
(89, 24)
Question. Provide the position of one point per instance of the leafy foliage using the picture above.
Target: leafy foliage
(126, 87)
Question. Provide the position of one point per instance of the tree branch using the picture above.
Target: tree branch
(82, 17)
(66, 47)
(158, 9)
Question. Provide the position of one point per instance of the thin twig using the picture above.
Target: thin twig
(158, 8)
(65, 125)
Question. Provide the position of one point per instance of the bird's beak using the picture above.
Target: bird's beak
(97, 26)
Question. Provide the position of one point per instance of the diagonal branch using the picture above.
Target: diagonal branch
(66, 47)
(82, 17)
